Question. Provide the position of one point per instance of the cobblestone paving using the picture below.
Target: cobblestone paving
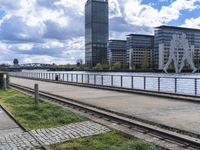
(60, 134)
(25, 141)
(22, 141)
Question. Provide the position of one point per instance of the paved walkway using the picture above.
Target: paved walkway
(178, 114)
(25, 140)
(7, 125)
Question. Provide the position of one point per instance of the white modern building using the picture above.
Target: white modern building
(163, 36)
(116, 52)
(139, 50)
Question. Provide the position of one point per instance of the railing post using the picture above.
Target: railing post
(88, 78)
(94, 79)
(63, 77)
(158, 84)
(76, 78)
(132, 82)
(175, 85)
(144, 83)
(195, 80)
(121, 81)
(102, 80)
(82, 78)
(72, 78)
(111, 80)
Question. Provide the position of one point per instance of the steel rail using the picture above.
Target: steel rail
(185, 141)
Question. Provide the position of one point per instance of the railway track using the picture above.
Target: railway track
(162, 137)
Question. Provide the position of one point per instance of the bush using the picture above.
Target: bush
(1, 78)
(106, 66)
(117, 66)
(99, 66)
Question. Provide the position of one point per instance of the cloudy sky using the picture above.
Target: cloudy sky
(47, 31)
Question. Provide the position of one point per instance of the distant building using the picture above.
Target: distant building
(163, 36)
(96, 31)
(116, 51)
(139, 50)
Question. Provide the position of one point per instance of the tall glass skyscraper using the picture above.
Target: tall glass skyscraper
(96, 31)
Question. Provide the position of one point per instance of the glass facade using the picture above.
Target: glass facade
(96, 31)
(163, 36)
(138, 47)
(116, 51)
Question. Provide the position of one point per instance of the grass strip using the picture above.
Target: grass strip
(47, 115)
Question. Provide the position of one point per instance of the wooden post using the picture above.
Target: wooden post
(5, 82)
(36, 95)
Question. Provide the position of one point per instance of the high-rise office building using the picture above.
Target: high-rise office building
(96, 31)
(139, 50)
(163, 36)
(116, 52)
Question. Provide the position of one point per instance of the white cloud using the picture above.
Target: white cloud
(114, 9)
(77, 5)
(192, 23)
(23, 46)
(3, 48)
(145, 15)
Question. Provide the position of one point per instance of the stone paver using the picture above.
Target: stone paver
(177, 114)
(20, 141)
(25, 141)
(63, 133)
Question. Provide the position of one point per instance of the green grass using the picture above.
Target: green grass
(108, 141)
(47, 115)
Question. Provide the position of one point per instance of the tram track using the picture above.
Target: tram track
(165, 138)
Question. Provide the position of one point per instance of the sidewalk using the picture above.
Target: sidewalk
(7, 125)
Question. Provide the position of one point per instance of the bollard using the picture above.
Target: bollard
(36, 95)
(5, 82)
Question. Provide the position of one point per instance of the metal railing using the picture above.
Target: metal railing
(175, 85)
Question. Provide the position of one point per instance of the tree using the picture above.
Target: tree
(81, 67)
(15, 62)
(117, 66)
(106, 66)
(124, 66)
(99, 66)
(79, 62)
(145, 64)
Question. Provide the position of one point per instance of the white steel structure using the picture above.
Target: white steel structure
(179, 52)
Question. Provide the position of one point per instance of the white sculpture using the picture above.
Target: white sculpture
(178, 44)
